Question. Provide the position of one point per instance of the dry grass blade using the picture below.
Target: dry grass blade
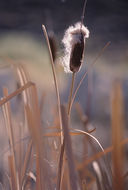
(60, 165)
(34, 124)
(35, 133)
(26, 161)
(94, 138)
(8, 121)
(12, 173)
(15, 93)
(68, 151)
(55, 79)
(117, 135)
(23, 76)
(57, 134)
(70, 95)
(85, 74)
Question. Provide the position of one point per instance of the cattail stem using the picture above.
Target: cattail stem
(71, 92)
(55, 79)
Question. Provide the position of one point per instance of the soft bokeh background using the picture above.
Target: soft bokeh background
(22, 39)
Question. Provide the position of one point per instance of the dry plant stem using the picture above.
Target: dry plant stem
(12, 173)
(95, 139)
(55, 79)
(26, 161)
(71, 93)
(15, 93)
(23, 80)
(34, 124)
(68, 150)
(93, 63)
(59, 176)
(117, 136)
(8, 120)
(62, 155)
(83, 13)
(59, 109)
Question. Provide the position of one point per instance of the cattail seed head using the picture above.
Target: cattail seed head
(74, 44)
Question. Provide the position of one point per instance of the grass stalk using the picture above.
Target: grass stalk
(71, 93)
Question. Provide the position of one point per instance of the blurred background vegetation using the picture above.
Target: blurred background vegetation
(21, 39)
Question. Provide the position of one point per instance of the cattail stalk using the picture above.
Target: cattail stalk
(71, 93)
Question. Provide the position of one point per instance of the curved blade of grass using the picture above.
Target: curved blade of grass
(88, 134)
(95, 139)
(55, 78)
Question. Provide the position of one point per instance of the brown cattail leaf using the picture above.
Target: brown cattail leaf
(35, 128)
(9, 126)
(117, 136)
(55, 79)
(36, 137)
(60, 165)
(26, 161)
(68, 150)
(15, 93)
(13, 173)
(23, 79)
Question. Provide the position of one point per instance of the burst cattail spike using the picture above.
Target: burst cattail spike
(74, 44)
(76, 56)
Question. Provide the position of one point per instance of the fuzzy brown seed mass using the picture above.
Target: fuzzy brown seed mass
(76, 56)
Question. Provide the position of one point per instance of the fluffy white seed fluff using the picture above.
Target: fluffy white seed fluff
(71, 37)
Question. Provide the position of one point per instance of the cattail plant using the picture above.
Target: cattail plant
(74, 45)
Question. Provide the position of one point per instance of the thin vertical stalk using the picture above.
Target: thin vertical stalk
(71, 92)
